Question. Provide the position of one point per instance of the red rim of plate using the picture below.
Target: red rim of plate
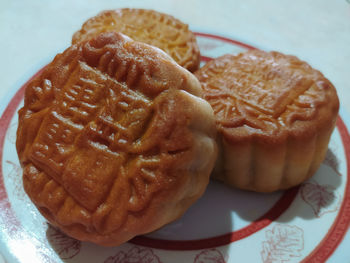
(322, 251)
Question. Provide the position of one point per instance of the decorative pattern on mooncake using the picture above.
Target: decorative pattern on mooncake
(110, 140)
(148, 26)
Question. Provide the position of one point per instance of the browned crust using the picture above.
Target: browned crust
(148, 26)
(313, 105)
(274, 114)
(109, 138)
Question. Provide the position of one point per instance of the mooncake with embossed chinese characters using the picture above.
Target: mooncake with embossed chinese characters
(274, 115)
(113, 140)
(148, 26)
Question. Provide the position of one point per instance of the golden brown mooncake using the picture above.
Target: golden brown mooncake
(274, 115)
(113, 140)
(148, 26)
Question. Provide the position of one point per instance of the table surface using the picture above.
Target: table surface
(32, 32)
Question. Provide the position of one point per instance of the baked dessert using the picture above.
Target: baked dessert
(148, 26)
(274, 115)
(113, 140)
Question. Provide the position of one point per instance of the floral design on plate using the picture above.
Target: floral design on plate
(209, 256)
(65, 246)
(283, 243)
(134, 255)
(321, 198)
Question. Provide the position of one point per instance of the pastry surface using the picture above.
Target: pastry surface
(110, 142)
(148, 26)
(273, 112)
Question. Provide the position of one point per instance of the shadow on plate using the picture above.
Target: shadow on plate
(313, 198)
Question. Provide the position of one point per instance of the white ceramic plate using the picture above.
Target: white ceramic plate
(308, 223)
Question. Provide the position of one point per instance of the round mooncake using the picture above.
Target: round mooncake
(113, 140)
(148, 26)
(274, 115)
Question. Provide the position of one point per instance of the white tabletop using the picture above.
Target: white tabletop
(32, 32)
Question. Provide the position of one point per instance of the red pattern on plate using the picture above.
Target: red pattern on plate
(65, 246)
(12, 223)
(134, 255)
(321, 198)
(205, 59)
(341, 224)
(209, 256)
(224, 39)
(284, 242)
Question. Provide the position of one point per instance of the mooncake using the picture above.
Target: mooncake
(274, 115)
(148, 26)
(114, 140)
